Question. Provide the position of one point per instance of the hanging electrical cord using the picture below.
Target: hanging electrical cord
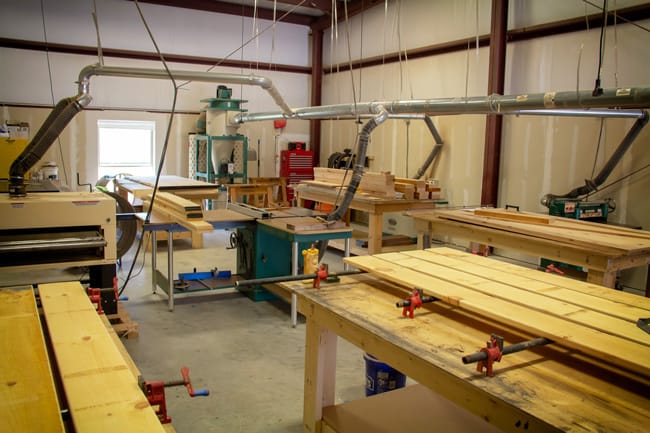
(622, 18)
(49, 74)
(598, 90)
(615, 45)
(611, 184)
(275, 9)
(244, 44)
(100, 54)
(162, 153)
(347, 32)
(600, 140)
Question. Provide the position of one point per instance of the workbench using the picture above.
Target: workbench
(601, 249)
(220, 219)
(86, 367)
(593, 378)
(141, 186)
(374, 206)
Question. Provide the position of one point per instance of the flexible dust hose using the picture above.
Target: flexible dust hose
(593, 184)
(357, 173)
(54, 124)
(434, 152)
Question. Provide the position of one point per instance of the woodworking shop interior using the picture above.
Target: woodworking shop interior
(324, 216)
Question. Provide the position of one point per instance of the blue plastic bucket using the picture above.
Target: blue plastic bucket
(381, 377)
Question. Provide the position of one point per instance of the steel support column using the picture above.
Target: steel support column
(493, 124)
(316, 90)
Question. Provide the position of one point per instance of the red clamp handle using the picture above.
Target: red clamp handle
(493, 352)
(185, 371)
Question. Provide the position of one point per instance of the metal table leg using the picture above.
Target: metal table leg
(170, 269)
(154, 279)
(294, 271)
(346, 253)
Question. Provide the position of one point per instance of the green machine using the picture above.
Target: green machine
(595, 211)
(221, 153)
(264, 253)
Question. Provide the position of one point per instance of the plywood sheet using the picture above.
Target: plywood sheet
(613, 340)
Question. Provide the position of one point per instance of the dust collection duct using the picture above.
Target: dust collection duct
(555, 102)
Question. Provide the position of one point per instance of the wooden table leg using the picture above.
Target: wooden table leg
(375, 223)
(320, 374)
(607, 279)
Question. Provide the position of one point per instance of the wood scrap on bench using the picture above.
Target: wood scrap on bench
(380, 184)
(181, 211)
(311, 224)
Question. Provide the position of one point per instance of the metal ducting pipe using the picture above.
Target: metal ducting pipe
(357, 173)
(55, 123)
(209, 77)
(67, 108)
(436, 148)
(593, 184)
(633, 97)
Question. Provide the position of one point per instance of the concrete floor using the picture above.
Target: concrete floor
(246, 353)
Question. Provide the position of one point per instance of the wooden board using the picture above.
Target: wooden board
(569, 325)
(28, 399)
(609, 239)
(170, 182)
(300, 224)
(101, 391)
(382, 184)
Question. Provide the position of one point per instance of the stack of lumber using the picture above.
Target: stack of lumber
(595, 321)
(383, 185)
(375, 184)
(611, 239)
(180, 210)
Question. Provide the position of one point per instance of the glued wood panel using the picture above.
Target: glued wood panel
(102, 393)
(552, 320)
(608, 239)
(548, 389)
(28, 400)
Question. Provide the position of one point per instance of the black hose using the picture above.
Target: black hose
(357, 173)
(58, 119)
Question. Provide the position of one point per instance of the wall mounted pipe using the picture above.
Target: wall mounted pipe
(209, 77)
(434, 152)
(621, 114)
(67, 108)
(628, 98)
(593, 184)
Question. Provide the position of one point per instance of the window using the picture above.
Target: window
(126, 146)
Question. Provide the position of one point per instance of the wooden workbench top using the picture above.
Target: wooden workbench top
(551, 388)
(610, 239)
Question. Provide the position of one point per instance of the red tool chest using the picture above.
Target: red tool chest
(296, 165)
